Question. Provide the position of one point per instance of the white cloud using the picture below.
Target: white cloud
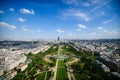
(3, 24)
(108, 32)
(107, 21)
(21, 19)
(81, 26)
(102, 13)
(11, 9)
(27, 30)
(27, 11)
(83, 16)
(102, 5)
(59, 31)
(86, 4)
(71, 2)
(79, 29)
(100, 28)
(71, 35)
(76, 13)
(95, 1)
(92, 33)
(1, 12)
(38, 30)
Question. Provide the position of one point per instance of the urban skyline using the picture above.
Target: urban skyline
(68, 19)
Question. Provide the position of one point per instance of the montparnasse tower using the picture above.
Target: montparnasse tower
(58, 38)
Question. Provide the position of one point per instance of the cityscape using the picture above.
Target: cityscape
(60, 60)
(59, 40)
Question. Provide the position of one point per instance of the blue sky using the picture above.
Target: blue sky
(69, 19)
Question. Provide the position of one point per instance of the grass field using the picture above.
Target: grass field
(41, 76)
(19, 76)
(61, 64)
(61, 74)
(81, 76)
(61, 71)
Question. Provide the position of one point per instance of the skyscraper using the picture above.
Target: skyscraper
(58, 38)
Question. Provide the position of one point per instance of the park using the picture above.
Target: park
(61, 62)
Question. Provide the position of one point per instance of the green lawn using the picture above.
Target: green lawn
(20, 76)
(65, 50)
(61, 64)
(61, 71)
(81, 76)
(61, 74)
(41, 76)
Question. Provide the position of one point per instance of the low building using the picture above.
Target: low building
(1, 72)
(9, 75)
(21, 66)
(111, 63)
(13, 74)
(105, 68)
(115, 75)
(101, 66)
(12, 63)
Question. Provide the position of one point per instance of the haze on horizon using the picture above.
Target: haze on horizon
(69, 19)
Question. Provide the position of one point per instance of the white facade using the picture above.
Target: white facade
(12, 63)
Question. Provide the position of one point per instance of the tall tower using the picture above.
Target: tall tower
(58, 38)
